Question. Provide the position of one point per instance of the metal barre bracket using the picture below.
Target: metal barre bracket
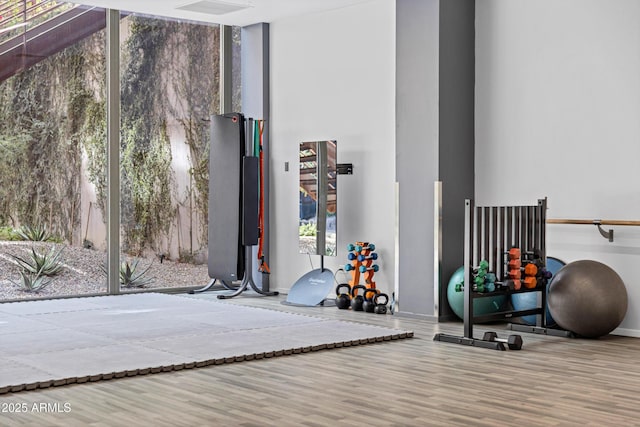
(606, 234)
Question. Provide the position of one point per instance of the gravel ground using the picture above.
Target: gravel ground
(82, 272)
(307, 244)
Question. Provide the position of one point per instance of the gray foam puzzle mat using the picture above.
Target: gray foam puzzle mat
(59, 342)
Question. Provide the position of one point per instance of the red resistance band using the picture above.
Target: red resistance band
(264, 267)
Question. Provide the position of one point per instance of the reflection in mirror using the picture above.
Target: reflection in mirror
(318, 198)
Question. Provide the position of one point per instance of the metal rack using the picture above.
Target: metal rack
(490, 231)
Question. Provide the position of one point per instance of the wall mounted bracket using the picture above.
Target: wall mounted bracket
(344, 168)
(604, 233)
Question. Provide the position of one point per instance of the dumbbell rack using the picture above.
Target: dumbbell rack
(366, 250)
(490, 231)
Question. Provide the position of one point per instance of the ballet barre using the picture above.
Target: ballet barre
(607, 234)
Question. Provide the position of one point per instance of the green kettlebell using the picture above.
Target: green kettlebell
(380, 307)
(368, 304)
(356, 299)
(343, 299)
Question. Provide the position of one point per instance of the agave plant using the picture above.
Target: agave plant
(41, 264)
(33, 233)
(32, 282)
(131, 276)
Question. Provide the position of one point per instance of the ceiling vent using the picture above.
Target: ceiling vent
(213, 7)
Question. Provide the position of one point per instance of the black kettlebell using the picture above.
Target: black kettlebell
(343, 299)
(381, 307)
(357, 300)
(368, 304)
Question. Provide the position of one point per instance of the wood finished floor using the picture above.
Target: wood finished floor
(413, 382)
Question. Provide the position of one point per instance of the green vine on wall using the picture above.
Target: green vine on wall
(195, 80)
(146, 187)
(42, 112)
(171, 70)
(54, 112)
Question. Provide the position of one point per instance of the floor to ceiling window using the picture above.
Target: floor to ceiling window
(236, 69)
(53, 149)
(169, 89)
(52, 128)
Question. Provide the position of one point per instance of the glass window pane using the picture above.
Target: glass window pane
(52, 150)
(236, 67)
(170, 88)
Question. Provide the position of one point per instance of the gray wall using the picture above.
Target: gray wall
(434, 142)
(255, 104)
(416, 150)
(456, 142)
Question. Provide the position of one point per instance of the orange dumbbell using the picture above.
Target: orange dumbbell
(530, 282)
(530, 269)
(514, 264)
(514, 284)
(514, 253)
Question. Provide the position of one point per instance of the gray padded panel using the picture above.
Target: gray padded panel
(250, 198)
(227, 147)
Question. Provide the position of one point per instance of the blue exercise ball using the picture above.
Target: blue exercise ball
(529, 300)
(481, 306)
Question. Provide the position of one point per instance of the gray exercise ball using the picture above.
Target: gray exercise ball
(588, 298)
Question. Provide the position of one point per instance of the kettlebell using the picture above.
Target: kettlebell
(343, 299)
(357, 300)
(380, 307)
(368, 304)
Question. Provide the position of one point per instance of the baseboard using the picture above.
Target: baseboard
(449, 318)
(624, 332)
(410, 315)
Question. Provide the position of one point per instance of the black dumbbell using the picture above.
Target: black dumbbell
(514, 341)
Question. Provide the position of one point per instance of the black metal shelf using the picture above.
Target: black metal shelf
(489, 233)
(507, 292)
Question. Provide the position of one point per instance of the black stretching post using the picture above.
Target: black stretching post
(234, 193)
(247, 281)
(211, 287)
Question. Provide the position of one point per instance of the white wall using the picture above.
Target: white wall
(332, 77)
(417, 150)
(558, 115)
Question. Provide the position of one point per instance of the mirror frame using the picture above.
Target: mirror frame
(318, 173)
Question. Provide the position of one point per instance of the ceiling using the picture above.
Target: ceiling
(253, 11)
